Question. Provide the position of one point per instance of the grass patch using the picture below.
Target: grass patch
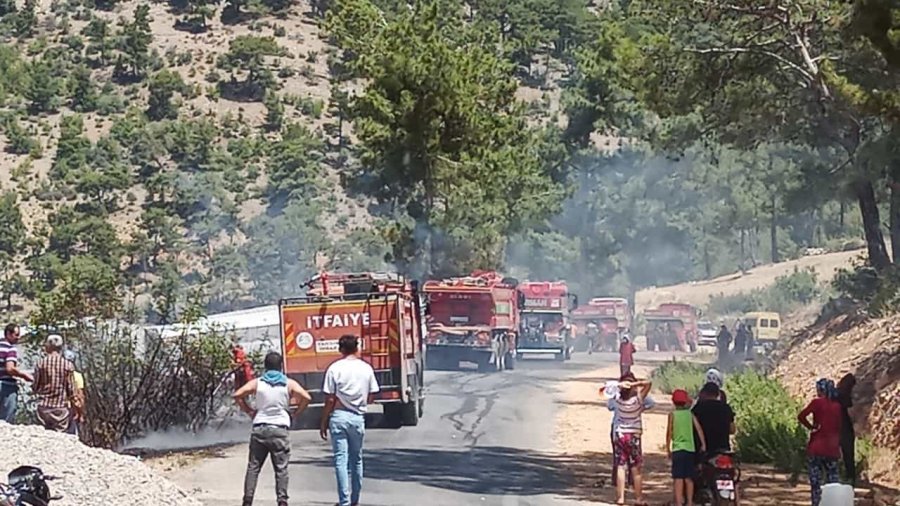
(766, 415)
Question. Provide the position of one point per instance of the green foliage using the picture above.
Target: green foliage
(294, 166)
(786, 294)
(72, 149)
(133, 46)
(12, 234)
(274, 112)
(101, 44)
(19, 141)
(765, 414)
(675, 374)
(43, 87)
(766, 418)
(82, 91)
(163, 86)
(247, 53)
(878, 291)
(25, 19)
(443, 138)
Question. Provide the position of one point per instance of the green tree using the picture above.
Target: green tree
(19, 141)
(76, 233)
(444, 140)
(82, 90)
(43, 87)
(7, 7)
(247, 53)
(72, 149)
(134, 45)
(163, 86)
(12, 234)
(25, 19)
(104, 175)
(274, 112)
(101, 45)
(294, 166)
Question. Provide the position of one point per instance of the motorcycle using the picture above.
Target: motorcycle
(719, 476)
(27, 486)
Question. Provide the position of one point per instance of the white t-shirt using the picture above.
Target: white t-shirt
(351, 380)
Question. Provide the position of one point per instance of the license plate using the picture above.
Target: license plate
(724, 485)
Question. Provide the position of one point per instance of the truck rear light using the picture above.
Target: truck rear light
(388, 395)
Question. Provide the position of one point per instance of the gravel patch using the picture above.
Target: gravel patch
(88, 475)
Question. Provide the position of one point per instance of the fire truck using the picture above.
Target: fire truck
(672, 326)
(385, 311)
(472, 319)
(601, 322)
(544, 327)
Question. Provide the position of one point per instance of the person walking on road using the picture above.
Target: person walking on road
(10, 374)
(680, 447)
(278, 399)
(349, 385)
(626, 355)
(848, 434)
(628, 406)
(824, 448)
(54, 386)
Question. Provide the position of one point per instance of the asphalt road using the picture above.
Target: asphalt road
(485, 439)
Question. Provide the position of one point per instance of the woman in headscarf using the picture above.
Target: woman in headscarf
(824, 448)
(848, 435)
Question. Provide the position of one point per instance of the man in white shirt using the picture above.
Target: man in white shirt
(349, 385)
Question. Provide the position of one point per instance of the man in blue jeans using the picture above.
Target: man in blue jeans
(349, 385)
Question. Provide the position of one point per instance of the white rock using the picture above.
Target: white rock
(88, 475)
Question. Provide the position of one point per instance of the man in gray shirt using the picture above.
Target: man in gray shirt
(349, 385)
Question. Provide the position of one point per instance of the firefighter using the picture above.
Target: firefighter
(243, 369)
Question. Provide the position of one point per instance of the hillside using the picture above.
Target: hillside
(698, 293)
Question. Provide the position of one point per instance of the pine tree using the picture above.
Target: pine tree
(82, 90)
(134, 45)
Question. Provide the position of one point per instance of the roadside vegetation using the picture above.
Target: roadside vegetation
(766, 415)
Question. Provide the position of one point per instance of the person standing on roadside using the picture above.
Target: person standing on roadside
(723, 341)
(628, 406)
(681, 448)
(10, 373)
(824, 448)
(54, 386)
(349, 385)
(848, 434)
(278, 400)
(76, 408)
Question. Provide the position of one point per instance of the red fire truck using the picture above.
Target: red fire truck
(672, 326)
(601, 322)
(385, 311)
(545, 328)
(472, 319)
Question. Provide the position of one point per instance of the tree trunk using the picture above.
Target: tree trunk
(773, 229)
(707, 260)
(868, 207)
(841, 218)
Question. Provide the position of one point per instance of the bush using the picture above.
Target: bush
(674, 375)
(766, 418)
(766, 415)
(879, 291)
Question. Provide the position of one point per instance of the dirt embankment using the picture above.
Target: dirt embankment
(583, 435)
(698, 293)
(870, 349)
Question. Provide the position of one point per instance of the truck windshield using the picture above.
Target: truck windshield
(549, 320)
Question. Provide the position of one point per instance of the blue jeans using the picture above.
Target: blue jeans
(347, 432)
(9, 399)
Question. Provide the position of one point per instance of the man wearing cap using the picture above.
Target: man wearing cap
(10, 373)
(54, 386)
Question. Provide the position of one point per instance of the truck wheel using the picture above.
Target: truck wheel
(484, 364)
(560, 357)
(393, 415)
(411, 411)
